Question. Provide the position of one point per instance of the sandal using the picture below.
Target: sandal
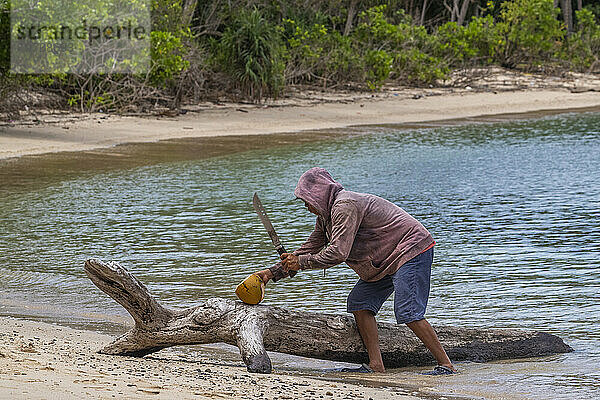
(441, 370)
(363, 369)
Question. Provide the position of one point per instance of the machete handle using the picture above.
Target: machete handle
(281, 250)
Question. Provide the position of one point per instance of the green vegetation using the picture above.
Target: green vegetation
(250, 53)
(4, 47)
(252, 49)
(529, 32)
(582, 48)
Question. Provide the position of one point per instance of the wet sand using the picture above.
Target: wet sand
(102, 131)
(41, 361)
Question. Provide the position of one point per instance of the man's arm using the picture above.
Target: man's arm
(345, 220)
(315, 242)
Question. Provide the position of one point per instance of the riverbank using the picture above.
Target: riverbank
(71, 132)
(40, 360)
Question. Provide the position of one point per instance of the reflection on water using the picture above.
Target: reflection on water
(514, 208)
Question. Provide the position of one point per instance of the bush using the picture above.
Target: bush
(379, 66)
(168, 54)
(472, 43)
(583, 46)
(529, 32)
(411, 48)
(317, 54)
(595, 9)
(374, 52)
(375, 31)
(250, 52)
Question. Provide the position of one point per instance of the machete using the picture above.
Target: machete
(262, 214)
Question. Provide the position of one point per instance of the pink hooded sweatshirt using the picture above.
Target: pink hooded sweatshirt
(372, 235)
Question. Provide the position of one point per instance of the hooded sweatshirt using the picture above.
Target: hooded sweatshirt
(372, 235)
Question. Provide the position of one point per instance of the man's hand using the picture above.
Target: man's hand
(265, 275)
(290, 262)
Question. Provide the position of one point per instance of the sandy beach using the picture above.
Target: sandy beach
(55, 133)
(43, 361)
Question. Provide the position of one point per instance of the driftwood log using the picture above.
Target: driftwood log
(255, 329)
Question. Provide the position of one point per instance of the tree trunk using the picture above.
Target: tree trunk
(423, 13)
(351, 13)
(409, 8)
(255, 329)
(567, 11)
(187, 15)
(453, 10)
(464, 8)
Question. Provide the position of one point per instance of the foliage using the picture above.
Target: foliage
(166, 15)
(471, 43)
(168, 42)
(379, 65)
(595, 9)
(528, 31)
(376, 51)
(168, 56)
(410, 47)
(259, 46)
(375, 30)
(317, 54)
(582, 48)
(4, 37)
(250, 52)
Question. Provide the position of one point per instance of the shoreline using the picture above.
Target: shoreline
(96, 131)
(38, 359)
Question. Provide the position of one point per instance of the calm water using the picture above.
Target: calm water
(514, 207)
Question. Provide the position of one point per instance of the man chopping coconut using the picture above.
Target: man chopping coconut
(388, 249)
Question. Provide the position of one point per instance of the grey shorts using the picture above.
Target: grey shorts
(410, 285)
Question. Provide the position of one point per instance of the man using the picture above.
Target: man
(388, 249)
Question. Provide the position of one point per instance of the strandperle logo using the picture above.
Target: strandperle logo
(90, 33)
(83, 37)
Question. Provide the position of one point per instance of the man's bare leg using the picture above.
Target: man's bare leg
(425, 332)
(367, 327)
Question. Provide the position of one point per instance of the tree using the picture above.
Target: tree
(567, 12)
(458, 10)
(423, 13)
(529, 30)
(352, 9)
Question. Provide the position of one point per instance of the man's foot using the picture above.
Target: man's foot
(441, 370)
(363, 369)
(377, 367)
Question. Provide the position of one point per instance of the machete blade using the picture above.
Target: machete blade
(262, 214)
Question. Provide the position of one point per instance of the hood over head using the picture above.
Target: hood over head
(317, 188)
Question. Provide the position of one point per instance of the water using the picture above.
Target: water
(514, 207)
